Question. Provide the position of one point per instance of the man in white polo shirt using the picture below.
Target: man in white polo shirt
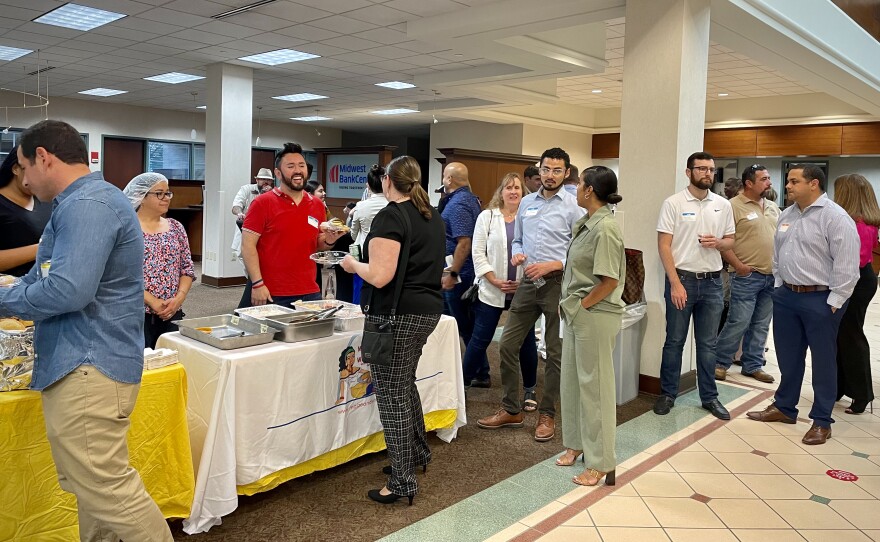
(695, 225)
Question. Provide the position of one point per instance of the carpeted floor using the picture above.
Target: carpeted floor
(332, 505)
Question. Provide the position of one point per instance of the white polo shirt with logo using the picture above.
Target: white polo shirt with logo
(686, 218)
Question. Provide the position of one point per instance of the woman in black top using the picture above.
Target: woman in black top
(418, 311)
(22, 219)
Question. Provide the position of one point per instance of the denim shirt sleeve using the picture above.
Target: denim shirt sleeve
(74, 273)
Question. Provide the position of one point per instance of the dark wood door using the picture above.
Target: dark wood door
(262, 158)
(123, 160)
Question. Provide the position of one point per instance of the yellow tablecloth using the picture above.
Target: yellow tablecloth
(32, 505)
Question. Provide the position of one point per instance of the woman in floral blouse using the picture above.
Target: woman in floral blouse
(168, 266)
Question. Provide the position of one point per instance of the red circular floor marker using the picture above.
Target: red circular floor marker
(842, 475)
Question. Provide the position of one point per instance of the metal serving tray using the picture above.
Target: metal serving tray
(290, 330)
(260, 313)
(227, 331)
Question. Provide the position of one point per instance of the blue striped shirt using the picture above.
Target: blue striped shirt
(817, 246)
(543, 226)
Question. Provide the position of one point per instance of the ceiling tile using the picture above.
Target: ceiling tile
(139, 24)
(389, 52)
(380, 15)
(199, 36)
(278, 41)
(228, 29)
(339, 24)
(203, 8)
(294, 12)
(307, 32)
(169, 16)
(384, 36)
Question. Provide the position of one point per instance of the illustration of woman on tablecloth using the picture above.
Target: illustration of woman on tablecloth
(353, 376)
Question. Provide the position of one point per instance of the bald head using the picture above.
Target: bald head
(455, 175)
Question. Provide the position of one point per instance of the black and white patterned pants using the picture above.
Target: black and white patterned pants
(400, 407)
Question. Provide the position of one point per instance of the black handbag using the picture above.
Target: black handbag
(377, 340)
(472, 293)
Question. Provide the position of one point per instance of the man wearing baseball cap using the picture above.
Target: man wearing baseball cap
(263, 182)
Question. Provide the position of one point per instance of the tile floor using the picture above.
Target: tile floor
(689, 477)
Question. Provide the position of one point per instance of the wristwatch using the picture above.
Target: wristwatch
(453, 274)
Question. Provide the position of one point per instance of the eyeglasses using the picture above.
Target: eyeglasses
(162, 195)
(704, 169)
(558, 172)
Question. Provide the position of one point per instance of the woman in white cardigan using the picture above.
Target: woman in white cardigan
(498, 280)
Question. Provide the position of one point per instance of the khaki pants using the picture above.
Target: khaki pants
(87, 419)
(589, 410)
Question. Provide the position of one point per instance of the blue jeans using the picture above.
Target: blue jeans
(462, 311)
(751, 307)
(476, 363)
(705, 300)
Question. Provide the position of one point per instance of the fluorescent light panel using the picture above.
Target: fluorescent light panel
(11, 53)
(174, 78)
(400, 111)
(78, 17)
(396, 85)
(302, 97)
(311, 119)
(281, 56)
(103, 92)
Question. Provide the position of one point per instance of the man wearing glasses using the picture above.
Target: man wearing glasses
(542, 232)
(751, 279)
(695, 226)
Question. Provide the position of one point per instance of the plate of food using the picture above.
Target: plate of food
(336, 225)
(8, 281)
(328, 257)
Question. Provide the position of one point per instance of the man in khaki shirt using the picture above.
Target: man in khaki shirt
(751, 279)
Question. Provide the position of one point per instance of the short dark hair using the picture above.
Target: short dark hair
(556, 154)
(289, 148)
(573, 176)
(58, 138)
(811, 172)
(374, 178)
(604, 183)
(732, 186)
(698, 156)
(531, 171)
(751, 173)
(311, 186)
(6, 173)
(309, 169)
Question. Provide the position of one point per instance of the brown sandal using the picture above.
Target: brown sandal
(595, 478)
(566, 459)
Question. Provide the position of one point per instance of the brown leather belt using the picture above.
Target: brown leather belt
(805, 289)
(548, 276)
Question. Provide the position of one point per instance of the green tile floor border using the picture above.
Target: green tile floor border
(497, 507)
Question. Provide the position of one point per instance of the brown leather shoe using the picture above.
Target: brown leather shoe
(720, 373)
(770, 414)
(500, 419)
(760, 375)
(545, 429)
(817, 435)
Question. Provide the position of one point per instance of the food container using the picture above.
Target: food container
(291, 330)
(260, 313)
(16, 359)
(226, 331)
(349, 318)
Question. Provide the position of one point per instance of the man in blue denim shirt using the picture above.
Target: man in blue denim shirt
(85, 294)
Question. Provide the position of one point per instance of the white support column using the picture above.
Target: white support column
(662, 119)
(227, 162)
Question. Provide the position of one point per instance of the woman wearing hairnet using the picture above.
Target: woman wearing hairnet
(168, 266)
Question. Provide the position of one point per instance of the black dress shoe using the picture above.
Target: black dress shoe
(717, 409)
(857, 407)
(663, 405)
(376, 495)
(387, 469)
(480, 383)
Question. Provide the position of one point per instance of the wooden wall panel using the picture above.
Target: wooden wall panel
(261, 158)
(606, 145)
(796, 140)
(734, 142)
(123, 160)
(485, 169)
(861, 138)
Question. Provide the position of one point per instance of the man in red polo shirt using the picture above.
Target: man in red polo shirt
(281, 230)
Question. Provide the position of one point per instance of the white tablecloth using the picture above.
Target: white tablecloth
(255, 411)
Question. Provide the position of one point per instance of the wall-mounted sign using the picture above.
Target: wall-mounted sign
(347, 174)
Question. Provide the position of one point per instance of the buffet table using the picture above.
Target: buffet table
(263, 415)
(34, 505)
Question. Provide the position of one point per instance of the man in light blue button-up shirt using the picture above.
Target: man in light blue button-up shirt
(542, 233)
(85, 295)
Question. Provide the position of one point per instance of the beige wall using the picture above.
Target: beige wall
(579, 146)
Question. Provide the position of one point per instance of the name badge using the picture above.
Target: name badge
(531, 211)
(313, 222)
(784, 227)
(688, 217)
(752, 216)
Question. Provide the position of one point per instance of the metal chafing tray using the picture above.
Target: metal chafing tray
(260, 313)
(291, 330)
(227, 331)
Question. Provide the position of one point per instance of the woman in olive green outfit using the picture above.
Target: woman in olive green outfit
(592, 309)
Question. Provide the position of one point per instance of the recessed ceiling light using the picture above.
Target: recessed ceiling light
(11, 53)
(174, 78)
(103, 92)
(311, 119)
(78, 17)
(302, 97)
(399, 111)
(281, 56)
(596, 91)
(201, 107)
(723, 94)
(396, 85)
